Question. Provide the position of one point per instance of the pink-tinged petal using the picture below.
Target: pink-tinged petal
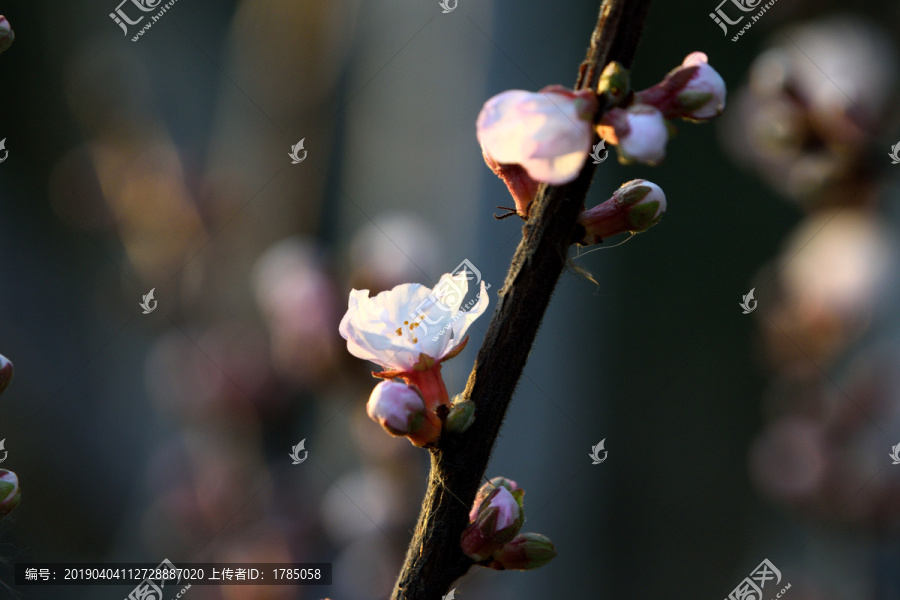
(693, 91)
(508, 510)
(547, 133)
(393, 404)
(485, 490)
(401, 411)
(695, 59)
(503, 125)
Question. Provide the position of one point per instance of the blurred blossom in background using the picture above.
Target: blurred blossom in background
(818, 103)
(163, 164)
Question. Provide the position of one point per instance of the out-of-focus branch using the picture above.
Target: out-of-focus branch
(434, 559)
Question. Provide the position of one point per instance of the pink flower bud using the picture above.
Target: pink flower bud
(547, 133)
(640, 131)
(499, 519)
(526, 551)
(693, 91)
(400, 409)
(508, 509)
(9, 492)
(704, 95)
(634, 207)
(486, 490)
(6, 372)
(6, 34)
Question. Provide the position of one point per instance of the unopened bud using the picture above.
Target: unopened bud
(6, 34)
(634, 207)
(400, 409)
(547, 133)
(640, 132)
(614, 83)
(498, 521)
(486, 490)
(9, 492)
(460, 417)
(693, 91)
(6, 372)
(526, 551)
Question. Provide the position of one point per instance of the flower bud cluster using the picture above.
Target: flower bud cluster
(492, 537)
(532, 138)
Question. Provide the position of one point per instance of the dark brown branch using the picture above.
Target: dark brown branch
(434, 559)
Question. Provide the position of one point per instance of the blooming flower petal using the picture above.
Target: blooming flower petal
(397, 327)
(461, 325)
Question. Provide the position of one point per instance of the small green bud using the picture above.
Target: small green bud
(526, 551)
(614, 83)
(460, 417)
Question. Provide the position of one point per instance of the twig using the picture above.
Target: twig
(434, 559)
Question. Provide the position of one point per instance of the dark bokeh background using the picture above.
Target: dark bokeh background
(162, 164)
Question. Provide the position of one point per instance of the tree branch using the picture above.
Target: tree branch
(434, 559)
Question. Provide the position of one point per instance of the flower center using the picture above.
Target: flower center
(410, 327)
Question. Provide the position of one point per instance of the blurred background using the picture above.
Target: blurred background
(163, 164)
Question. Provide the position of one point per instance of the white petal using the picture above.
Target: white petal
(515, 127)
(503, 126)
(461, 325)
(556, 170)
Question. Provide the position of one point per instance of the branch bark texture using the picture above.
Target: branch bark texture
(434, 559)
